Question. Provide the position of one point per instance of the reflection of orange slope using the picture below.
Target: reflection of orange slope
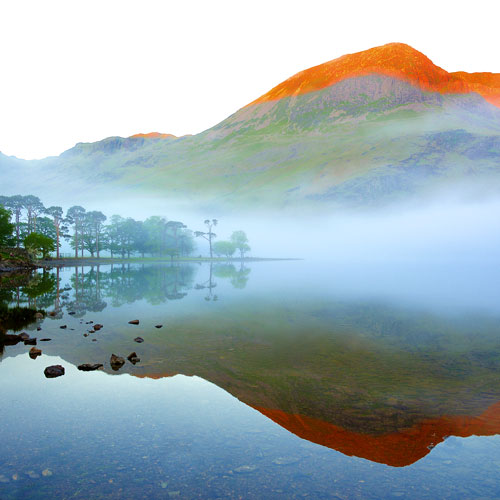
(153, 135)
(397, 449)
(396, 60)
(155, 376)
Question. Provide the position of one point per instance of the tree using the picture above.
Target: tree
(94, 221)
(175, 226)
(240, 242)
(34, 207)
(16, 205)
(57, 215)
(38, 243)
(6, 228)
(75, 216)
(226, 248)
(208, 235)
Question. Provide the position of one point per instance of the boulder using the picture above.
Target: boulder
(54, 371)
(34, 353)
(87, 367)
(133, 358)
(116, 362)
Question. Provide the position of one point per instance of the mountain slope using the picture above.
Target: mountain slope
(365, 129)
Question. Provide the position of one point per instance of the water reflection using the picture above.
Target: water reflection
(373, 379)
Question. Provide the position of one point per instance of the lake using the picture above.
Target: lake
(276, 379)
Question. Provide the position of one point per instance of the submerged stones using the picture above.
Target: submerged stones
(116, 362)
(158, 326)
(54, 371)
(34, 353)
(63, 327)
(139, 340)
(133, 322)
(97, 327)
(133, 358)
(88, 367)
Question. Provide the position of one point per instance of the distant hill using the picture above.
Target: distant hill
(366, 129)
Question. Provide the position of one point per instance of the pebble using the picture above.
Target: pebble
(139, 339)
(63, 327)
(134, 322)
(46, 473)
(245, 468)
(158, 326)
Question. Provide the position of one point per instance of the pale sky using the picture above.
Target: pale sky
(79, 71)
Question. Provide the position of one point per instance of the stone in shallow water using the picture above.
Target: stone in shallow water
(97, 327)
(139, 339)
(45, 340)
(158, 326)
(54, 371)
(116, 362)
(133, 358)
(88, 367)
(34, 353)
(134, 322)
(285, 460)
(30, 341)
(245, 468)
(46, 473)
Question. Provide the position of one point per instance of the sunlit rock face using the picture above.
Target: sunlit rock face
(396, 60)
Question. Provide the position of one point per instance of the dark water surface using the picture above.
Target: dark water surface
(266, 380)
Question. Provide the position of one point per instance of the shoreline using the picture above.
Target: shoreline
(89, 261)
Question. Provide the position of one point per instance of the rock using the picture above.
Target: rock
(86, 367)
(139, 339)
(52, 313)
(85, 334)
(97, 327)
(45, 340)
(72, 313)
(38, 328)
(158, 326)
(46, 473)
(245, 468)
(54, 371)
(11, 339)
(30, 341)
(94, 340)
(38, 316)
(116, 362)
(91, 331)
(63, 327)
(34, 353)
(134, 322)
(133, 358)
(24, 336)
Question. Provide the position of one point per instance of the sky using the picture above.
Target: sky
(79, 71)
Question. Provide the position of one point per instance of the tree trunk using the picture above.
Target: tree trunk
(57, 240)
(97, 241)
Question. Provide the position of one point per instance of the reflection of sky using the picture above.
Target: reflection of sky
(183, 434)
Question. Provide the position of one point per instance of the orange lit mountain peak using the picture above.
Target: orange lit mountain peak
(395, 60)
(153, 135)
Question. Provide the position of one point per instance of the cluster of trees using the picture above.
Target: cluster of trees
(41, 229)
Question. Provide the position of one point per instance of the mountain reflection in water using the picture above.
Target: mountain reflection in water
(380, 379)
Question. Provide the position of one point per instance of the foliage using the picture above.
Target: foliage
(6, 228)
(38, 243)
(240, 242)
(226, 248)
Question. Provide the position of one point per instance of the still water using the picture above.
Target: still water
(282, 379)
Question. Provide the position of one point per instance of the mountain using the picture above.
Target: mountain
(365, 129)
